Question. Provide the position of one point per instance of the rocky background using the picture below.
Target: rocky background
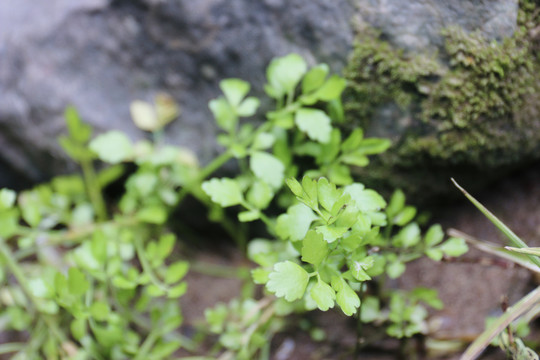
(100, 55)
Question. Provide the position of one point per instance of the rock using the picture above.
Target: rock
(100, 55)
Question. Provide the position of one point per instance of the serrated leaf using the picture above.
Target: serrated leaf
(314, 248)
(315, 123)
(323, 294)
(235, 90)
(112, 147)
(225, 192)
(359, 267)
(454, 247)
(176, 271)
(288, 280)
(327, 193)
(366, 200)
(347, 299)
(331, 233)
(268, 168)
(295, 186)
(295, 223)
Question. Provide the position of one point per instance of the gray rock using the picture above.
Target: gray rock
(100, 55)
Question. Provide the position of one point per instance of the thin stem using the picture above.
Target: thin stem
(94, 189)
(146, 265)
(12, 347)
(147, 344)
(359, 329)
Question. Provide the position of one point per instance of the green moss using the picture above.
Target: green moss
(474, 107)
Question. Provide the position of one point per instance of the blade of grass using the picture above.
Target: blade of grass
(520, 308)
(529, 251)
(495, 249)
(513, 238)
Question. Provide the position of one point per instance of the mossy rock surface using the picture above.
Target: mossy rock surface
(469, 112)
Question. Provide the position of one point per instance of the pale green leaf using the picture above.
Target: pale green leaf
(235, 90)
(7, 198)
(284, 73)
(176, 271)
(248, 216)
(225, 192)
(395, 269)
(314, 248)
(331, 233)
(454, 247)
(434, 235)
(144, 115)
(324, 295)
(315, 123)
(77, 283)
(295, 223)
(288, 280)
(224, 114)
(112, 147)
(248, 107)
(260, 194)
(366, 200)
(314, 78)
(100, 310)
(347, 299)
(268, 168)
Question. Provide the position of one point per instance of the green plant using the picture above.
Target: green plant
(505, 328)
(103, 277)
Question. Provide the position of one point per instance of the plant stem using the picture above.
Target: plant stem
(94, 189)
(11, 347)
(146, 265)
(359, 323)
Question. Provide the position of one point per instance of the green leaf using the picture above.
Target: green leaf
(295, 186)
(263, 141)
(177, 291)
(315, 123)
(314, 249)
(7, 198)
(248, 107)
(358, 268)
(166, 109)
(434, 254)
(397, 203)
(268, 168)
(112, 147)
(224, 114)
(434, 235)
(366, 200)
(235, 90)
(395, 269)
(373, 146)
(176, 271)
(9, 222)
(295, 223)
(78, 328)
(408, 236)
(332, 88)
(260, 276)
(454, 247)
(327, 193)
(100, 310)
(78, 131)
(288, 280)
(324, 295)
(284, 74)
(353, 141)
(260, 194)
(225, 192)
(153, 214)
(371, 309)
(347, 299)
(77, 283)
(314, 78)
(331, 233)
(405, 216)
